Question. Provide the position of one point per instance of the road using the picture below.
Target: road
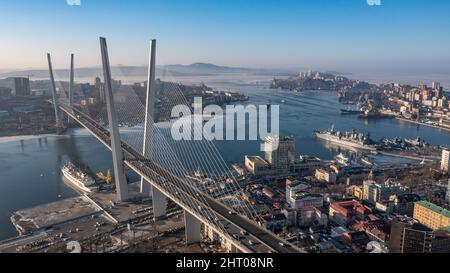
(187, 196)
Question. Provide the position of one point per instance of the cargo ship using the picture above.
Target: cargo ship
(79, 179)
(348, 139)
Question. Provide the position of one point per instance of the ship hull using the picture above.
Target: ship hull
(351, 112)
(75, 182)
(344, 143)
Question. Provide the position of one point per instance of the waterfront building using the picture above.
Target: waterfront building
(22, 87)
(445, 161)
(281, 155)
(431, 215)
(257, 166)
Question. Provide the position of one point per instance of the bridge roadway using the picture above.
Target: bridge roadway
(185, 193)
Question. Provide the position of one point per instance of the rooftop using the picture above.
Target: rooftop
(434, 208)
(257, 160)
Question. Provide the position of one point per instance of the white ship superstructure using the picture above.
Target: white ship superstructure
(81, 180)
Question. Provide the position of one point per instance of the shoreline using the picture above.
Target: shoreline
(423, 124)
(6, 139)
(411, 157)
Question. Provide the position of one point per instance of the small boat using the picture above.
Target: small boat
(366, 161)
(342, 159)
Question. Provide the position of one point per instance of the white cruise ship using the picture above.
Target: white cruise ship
(78, 178)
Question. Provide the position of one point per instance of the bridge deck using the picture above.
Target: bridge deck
(162, 179)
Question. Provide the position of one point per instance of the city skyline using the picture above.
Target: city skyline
(341, 35)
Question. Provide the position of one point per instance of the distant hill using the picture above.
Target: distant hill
(204, 68)
(196, 69)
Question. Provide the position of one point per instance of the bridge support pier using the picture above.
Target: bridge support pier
(193, 229)
(159, 203)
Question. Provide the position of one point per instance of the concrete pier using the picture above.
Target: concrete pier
(193, 229)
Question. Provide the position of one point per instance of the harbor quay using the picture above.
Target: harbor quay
(92, 222)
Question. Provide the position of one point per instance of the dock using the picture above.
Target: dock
(86, 218)
(42, 217)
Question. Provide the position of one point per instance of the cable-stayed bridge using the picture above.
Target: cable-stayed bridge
(190, 173)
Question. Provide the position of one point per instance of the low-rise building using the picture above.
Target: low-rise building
(306, 165)
(311, 216)
(276, 221)
(293, 187)
(325, 175)
(342, 212)
(257, 166)
(301, 199)
(374, 192)
(404, 204)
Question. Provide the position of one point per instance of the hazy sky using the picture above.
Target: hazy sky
(346, 35)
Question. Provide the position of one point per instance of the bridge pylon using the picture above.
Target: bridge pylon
(58, 119)
(159, 200)
(116, 143)
(71, 81)
(71, 87)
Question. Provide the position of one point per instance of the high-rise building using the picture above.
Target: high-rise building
(431, 215)
(409, 236)
(281, 155)
(445, 161)
(100, 88)
(22, 87)
(436, 86)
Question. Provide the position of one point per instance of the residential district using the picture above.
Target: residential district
(333, 206)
